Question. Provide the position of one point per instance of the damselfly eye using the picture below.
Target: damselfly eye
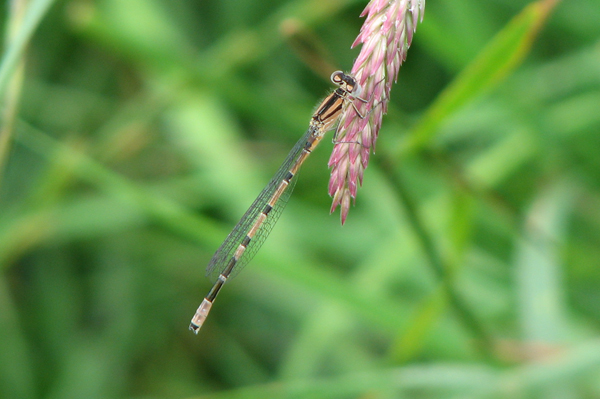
(337, 77)
(350, 83)
(354, 88)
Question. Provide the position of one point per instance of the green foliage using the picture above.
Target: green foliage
(136, 133)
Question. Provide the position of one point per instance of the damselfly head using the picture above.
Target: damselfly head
(345, 81)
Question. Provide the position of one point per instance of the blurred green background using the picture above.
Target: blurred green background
(135, 133)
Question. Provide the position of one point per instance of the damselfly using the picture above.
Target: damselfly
(251, 231)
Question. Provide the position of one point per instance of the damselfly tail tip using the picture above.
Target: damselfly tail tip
(200, 315)
(194, 328)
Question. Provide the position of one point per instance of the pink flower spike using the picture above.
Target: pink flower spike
(385, 36)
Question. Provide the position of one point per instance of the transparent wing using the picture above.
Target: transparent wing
(220, 259)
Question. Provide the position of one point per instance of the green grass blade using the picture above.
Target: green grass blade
(14, 52)
(502, 55)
